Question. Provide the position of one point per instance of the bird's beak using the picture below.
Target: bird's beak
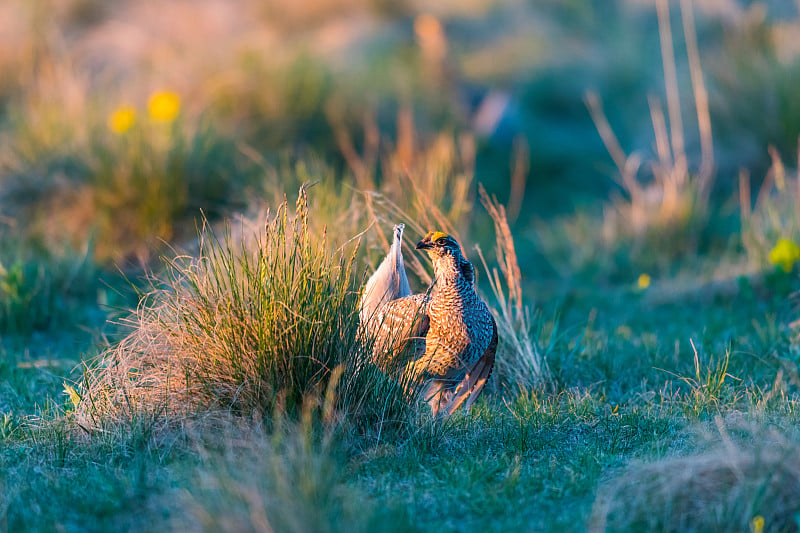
(424, 244)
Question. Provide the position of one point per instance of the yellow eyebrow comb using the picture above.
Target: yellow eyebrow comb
(435, 235)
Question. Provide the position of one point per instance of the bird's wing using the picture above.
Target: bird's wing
(397, 324)
(470, 388)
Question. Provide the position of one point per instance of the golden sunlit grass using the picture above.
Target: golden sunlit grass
(520, 361)
(424, 186)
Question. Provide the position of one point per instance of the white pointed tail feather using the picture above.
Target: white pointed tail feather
(388, 282)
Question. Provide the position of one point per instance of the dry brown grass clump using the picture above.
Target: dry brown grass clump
(753, 487)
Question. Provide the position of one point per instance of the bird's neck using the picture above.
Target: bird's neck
(449, 273)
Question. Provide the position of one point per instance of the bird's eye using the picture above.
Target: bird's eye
(440, 240)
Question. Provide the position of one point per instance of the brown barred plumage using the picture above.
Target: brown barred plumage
(453, 335)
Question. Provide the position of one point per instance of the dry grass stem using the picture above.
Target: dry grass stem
(706, 170)
(519, 361)
(671, 84)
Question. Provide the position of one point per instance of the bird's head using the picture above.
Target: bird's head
(438, 243)
(446, 255)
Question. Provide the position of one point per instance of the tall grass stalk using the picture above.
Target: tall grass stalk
(519, 361)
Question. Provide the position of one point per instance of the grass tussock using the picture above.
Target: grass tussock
(735, 487)
(257, 326)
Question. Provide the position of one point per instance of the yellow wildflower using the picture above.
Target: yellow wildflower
(164, 106)
(785, 254)
(644, 281)
(122, 119)
(74, 397)
(757, 524)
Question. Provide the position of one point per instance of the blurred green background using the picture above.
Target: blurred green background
(121, 121)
